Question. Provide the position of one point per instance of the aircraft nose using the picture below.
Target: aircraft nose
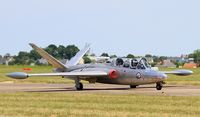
(157, 75)
(162, 76)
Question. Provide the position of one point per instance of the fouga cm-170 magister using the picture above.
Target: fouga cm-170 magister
(132, 72)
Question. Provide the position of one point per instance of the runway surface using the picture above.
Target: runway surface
(168, 90)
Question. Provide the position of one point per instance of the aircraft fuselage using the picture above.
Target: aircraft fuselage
(125, 76)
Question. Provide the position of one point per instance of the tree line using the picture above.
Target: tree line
(67, 52)
(196, 56)
(59, 52)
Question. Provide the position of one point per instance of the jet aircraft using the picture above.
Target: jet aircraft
(132, 72)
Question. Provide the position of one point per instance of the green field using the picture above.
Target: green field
(78, 104)
(193, 79)
(186, 80)
(90, 105)
(36, 69)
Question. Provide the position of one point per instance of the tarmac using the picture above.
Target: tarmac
(168, 90)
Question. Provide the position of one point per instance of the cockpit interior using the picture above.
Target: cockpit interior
(131, 63)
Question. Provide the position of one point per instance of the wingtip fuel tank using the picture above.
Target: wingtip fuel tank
(18, 75)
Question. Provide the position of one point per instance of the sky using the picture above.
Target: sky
(139, 27)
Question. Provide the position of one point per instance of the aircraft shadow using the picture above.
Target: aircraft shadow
(72, 89)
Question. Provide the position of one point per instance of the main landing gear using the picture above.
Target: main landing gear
(79, 85)
(133, 86)
(159, 85)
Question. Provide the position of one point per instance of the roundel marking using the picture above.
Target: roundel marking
(138, 75)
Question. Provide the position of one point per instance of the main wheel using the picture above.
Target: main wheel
(133, 86)
(159, 86)
(79, 86)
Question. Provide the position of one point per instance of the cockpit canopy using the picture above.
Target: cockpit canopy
(131, 63)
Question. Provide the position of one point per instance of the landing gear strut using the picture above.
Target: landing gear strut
(159, 85)
(79, 85)
(133, 86)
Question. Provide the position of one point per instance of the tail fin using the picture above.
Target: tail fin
(78, 56)
(53, 61)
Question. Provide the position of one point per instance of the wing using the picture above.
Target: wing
(78, 56)
(22, 75)
(179, 72)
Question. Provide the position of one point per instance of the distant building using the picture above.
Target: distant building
(190, 65)
(1, 60)
(190, 60)
(166, 64)
(63, 61)
(177, 59)
(6, 59)
(43, 61)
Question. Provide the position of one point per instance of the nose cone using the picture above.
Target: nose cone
(156, 74)
(162, 76)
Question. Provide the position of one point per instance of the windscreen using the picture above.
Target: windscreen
(143, 64)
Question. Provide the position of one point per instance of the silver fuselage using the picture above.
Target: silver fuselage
(127, 76)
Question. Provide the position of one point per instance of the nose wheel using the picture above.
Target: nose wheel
(159, 85)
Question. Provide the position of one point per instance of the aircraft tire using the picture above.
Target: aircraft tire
(159, 86)
(133, 86)
(79, 86)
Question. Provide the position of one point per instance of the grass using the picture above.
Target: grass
(183, 80)
(90, 105)
(35, 69)
(193, 79)
(76, 104)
